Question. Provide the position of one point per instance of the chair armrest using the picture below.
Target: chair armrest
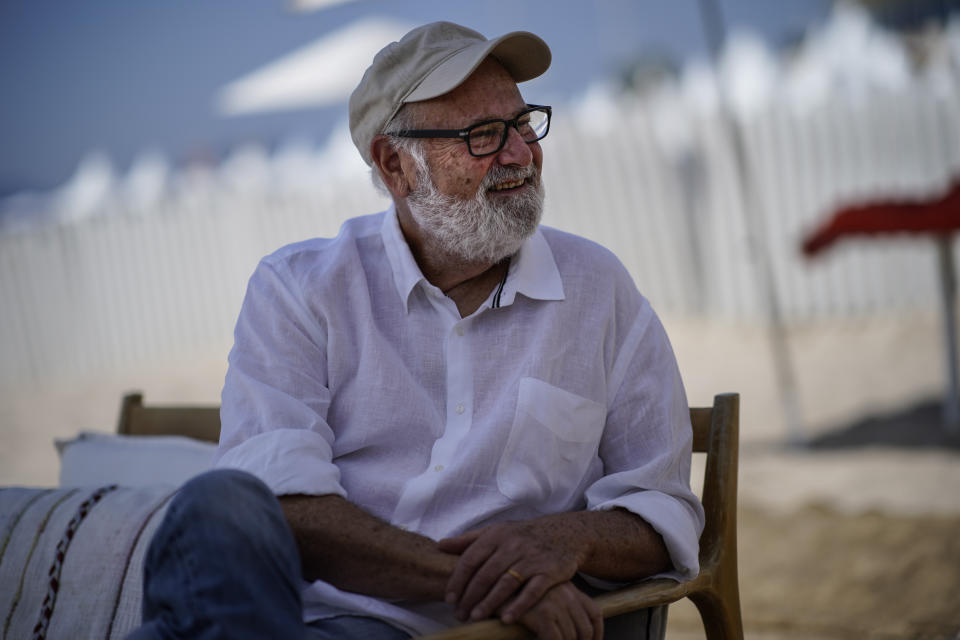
(614, 603)
(643, 595)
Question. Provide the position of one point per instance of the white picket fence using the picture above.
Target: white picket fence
(129, 286)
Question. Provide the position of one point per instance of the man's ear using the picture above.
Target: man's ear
(387, 161)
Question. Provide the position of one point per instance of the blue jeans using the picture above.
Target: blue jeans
(224, 564)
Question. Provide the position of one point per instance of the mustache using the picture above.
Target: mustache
(498, 174)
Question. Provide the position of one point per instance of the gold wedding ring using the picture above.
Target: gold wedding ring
(515, 575)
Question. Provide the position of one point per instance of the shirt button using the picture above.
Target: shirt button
(460, 408)
(438, 468)
(459, 331)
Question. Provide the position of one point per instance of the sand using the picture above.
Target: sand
(817, 573)
(859, 538)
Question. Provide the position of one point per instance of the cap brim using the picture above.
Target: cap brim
(523, 54)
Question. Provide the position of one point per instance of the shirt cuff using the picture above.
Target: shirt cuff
(288, 461)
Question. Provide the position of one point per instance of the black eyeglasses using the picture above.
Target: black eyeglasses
(488, 137)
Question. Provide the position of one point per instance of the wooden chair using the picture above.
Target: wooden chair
(201, 423)
(715, 591)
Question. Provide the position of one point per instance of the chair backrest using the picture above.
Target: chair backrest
(201, 423)
(716, 431)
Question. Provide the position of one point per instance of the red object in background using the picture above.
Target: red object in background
(940, 216)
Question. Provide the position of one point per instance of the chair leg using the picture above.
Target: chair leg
(718, 622)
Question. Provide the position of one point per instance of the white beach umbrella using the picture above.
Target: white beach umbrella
(321, 73)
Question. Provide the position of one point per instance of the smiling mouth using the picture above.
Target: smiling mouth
(507, 186)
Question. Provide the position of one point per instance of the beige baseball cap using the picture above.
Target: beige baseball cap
(428, 62)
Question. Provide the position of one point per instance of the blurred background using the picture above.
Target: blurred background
(151, 153)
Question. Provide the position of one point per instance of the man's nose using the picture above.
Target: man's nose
(515, 150)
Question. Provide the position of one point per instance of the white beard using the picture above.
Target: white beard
(479, 229)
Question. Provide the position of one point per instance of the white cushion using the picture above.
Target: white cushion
(131, 461)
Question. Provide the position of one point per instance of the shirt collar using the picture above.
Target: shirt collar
(533, 271)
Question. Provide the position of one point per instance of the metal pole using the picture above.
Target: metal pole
(948, 282)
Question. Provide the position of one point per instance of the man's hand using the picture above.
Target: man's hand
(565, 613)
(513, 564)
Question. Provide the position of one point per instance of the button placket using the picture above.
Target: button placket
(419, 491)
(459, 330)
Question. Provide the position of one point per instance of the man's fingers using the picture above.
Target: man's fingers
(549, 630)
(502, 565)
(532, 592)
(565, 612)
(568, 630)
(588, 618)
(545, 626)
(493, 580)
(574, 620)
(595, 614)
(580, 620)
(503, 589)
(476, 572)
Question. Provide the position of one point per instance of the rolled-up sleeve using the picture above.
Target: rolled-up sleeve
(646, 447)
(275, 396)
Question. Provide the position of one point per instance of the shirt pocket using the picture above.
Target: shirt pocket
(551, 447)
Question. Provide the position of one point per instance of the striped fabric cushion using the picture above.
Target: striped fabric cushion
(71, 560)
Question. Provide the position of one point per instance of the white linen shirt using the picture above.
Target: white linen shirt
(352, 375)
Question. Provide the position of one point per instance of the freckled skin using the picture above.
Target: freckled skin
(489, 92)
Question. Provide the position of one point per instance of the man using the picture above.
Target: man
(463, 414)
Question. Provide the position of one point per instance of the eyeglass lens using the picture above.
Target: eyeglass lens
(490, 137)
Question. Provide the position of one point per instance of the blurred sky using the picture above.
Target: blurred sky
(124, 76)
